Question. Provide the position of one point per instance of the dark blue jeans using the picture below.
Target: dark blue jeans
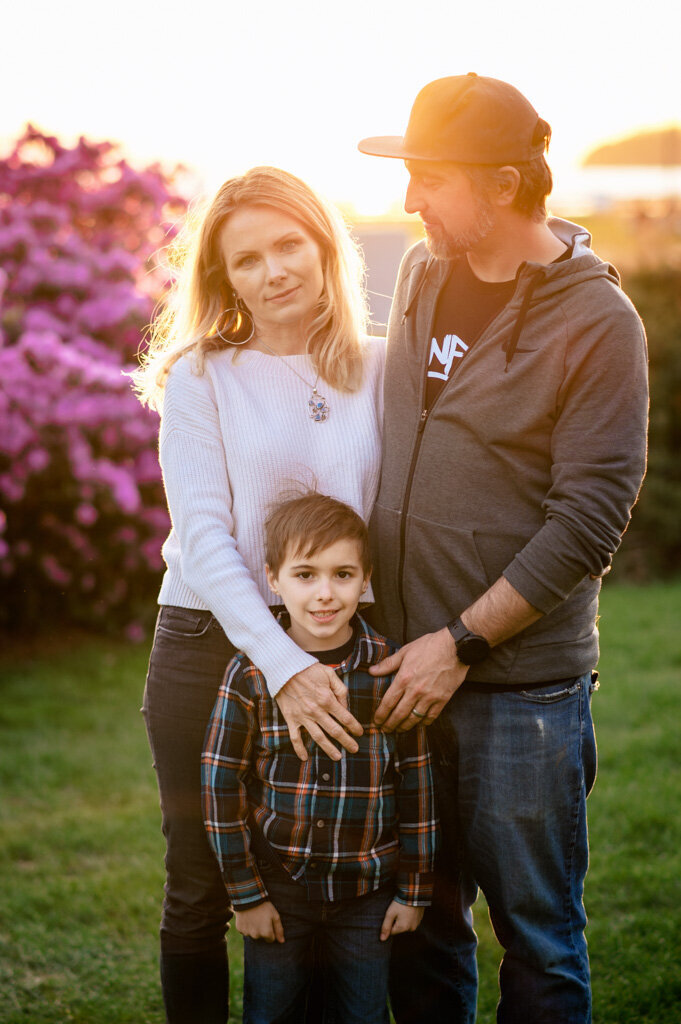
(512, 774)
(277, 975)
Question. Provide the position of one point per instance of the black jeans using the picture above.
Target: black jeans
(187, 664)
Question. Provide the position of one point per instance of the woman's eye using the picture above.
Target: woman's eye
(246, 261)
(290, 245)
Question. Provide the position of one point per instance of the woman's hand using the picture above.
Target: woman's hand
(400, 918)
(316, 700)
(261, 922)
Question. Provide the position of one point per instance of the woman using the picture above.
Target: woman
(264, 381)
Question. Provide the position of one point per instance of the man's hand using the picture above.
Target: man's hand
(428, 673)
(261, 922)
(400, 918)
(316, 700)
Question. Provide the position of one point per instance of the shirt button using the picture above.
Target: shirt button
(313, 864)
(320, 823)
(326, 776)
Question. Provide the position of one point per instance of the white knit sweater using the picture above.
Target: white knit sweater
(232, 440)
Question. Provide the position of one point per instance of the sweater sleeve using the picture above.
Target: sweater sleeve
(196, 480)
(598, 460)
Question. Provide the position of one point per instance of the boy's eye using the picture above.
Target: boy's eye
(344, 574)
(304, 575)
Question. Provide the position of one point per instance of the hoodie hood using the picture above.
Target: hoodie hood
(535, 282)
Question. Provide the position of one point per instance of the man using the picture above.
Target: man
(515, 420)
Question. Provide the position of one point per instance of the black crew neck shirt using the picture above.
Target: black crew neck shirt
(338, 655)
(465, 308)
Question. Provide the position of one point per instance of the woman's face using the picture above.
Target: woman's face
(273, 264)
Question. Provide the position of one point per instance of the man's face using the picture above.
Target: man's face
(455, 216)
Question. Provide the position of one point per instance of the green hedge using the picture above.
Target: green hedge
(652, 545)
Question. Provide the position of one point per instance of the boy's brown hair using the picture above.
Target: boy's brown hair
(310, 523)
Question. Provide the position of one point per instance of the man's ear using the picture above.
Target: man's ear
(271, 579)
(507, 183)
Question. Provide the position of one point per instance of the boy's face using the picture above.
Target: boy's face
(321, 593)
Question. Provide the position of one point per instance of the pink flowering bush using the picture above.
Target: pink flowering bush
(82, 511)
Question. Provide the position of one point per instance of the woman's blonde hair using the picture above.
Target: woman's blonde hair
(202, 291)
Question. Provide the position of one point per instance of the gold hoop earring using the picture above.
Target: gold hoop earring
(237, 314)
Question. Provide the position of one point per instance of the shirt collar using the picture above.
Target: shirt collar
(369, 649)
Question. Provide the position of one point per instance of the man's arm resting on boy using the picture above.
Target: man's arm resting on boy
(428, 670)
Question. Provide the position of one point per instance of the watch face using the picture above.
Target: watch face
(472, 649)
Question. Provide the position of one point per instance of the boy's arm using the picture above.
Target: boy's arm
(225, 763)
(400, 918)
(418, 825)
(261, 922)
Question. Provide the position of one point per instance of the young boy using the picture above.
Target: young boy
(336, 851)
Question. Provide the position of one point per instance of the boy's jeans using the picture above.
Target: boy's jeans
(512, 777)
(277, 975)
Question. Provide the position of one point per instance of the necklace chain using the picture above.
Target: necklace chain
(317, 405)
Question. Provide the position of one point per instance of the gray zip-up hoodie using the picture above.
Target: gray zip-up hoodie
(527, 464)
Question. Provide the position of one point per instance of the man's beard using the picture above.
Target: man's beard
(446, 246)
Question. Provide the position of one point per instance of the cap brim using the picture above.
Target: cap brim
(385, 145)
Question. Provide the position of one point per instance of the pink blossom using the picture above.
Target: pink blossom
(79, 279)
(38, 459)
(134, 632)
(86, 514)
(55, 572)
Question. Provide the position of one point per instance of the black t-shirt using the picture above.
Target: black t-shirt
(465, 307)
(338, 655)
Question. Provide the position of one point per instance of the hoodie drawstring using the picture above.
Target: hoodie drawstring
(510, 346)
(417, 292)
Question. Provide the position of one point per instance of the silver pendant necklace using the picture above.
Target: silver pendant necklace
(317, 406)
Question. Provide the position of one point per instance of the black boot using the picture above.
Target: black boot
(195, 987)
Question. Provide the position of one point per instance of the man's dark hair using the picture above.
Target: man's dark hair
(536, 182)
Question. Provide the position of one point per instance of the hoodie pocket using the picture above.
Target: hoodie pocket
(443, 573)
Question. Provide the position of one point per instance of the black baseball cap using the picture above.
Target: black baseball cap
(467, 119)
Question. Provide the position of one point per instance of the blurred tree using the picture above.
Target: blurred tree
(652, 545)
(82, 511)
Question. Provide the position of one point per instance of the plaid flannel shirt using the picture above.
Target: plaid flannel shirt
(341, 828)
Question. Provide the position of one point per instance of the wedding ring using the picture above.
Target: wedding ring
(418, 713)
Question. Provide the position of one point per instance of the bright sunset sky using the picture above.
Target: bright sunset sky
(222, 86)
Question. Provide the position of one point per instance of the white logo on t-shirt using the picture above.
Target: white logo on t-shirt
(452, 348)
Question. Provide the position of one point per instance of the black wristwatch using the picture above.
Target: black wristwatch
(470, 647)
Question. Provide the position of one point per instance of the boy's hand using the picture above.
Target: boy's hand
(261, 922)
(315, 699)
(399, 918)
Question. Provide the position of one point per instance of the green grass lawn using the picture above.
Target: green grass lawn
(81, 852)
